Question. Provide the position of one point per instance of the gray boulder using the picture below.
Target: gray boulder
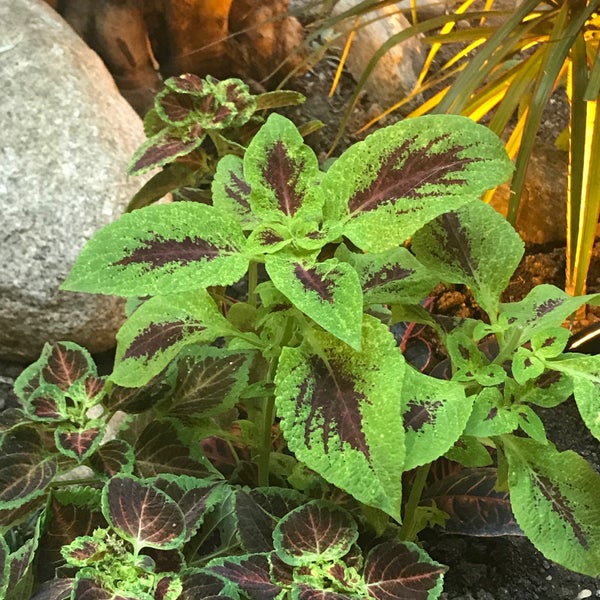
(65, 142)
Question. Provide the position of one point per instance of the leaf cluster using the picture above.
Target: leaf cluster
(261, 434)
(505, 67)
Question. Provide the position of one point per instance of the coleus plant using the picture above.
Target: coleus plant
(263, 432)
(193, 123)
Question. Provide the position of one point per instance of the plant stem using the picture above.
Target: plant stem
(252, 283)
(407, 531)
(263, 458)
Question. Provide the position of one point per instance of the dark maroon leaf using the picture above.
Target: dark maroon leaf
(475, 507)
(114, 457)
(64, 366)
(220, 114)
(139, 399)
(205, 384)
(163, 587)
(66, 521)
(258, 511)
(192, 497)
(188, 83)
(316, 531)
(396, 571)
(11, 418)
(281, 573)
(143, 514)
(201, 585)
(94, 386)
(13, 516)
(165, 561)
(88, 589)
(25, 469)
(309, 593)
(225, 456)
(159, 450)
(57, 589)
(20, 563)
(45, 405)
(174, 108)
(77, 443)
(251, 574)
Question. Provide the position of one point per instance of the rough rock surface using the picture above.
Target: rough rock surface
(396, 72)
(66, 138)
(542, 216)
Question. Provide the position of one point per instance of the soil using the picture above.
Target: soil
(479, 568)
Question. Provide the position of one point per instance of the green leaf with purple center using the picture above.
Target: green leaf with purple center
(386, 187)
(162, 249)
(341, 412)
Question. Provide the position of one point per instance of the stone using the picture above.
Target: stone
(542, 216)
(143, 42)
(396, 73)
(67, 136)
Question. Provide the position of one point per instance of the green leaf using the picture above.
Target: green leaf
(469, 452)
(388, 186)
(461, 246)
(158, 186)
(341, 413)
(282, 172)
(550, 389)
(161, 249)
(231, 191)
(530, 423)
(470, 362)
(584, 373)
(163, 148)
(490, 417)
(391, 277)
(543, 309)
(158, 330)
(435, 415)
(554, 497)
(526, 365)
(328, 292)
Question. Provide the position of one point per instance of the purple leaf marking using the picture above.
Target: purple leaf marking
(334, 406)
(158, 336)
(406, 170)
(282, 174)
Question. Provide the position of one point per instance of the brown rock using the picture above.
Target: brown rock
(542, 213)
